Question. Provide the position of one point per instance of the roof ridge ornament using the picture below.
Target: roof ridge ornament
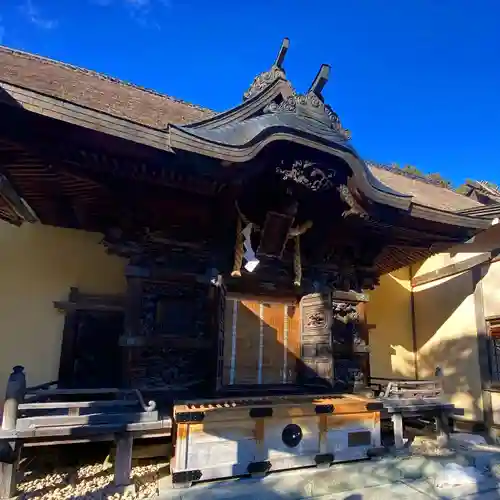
(266, 78)
(319, 82)
(312, 105)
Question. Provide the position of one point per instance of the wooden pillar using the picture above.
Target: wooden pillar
(14, 395)
(67, 358)
(123, 463)
(132, 322)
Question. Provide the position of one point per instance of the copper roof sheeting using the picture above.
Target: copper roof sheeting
(94, 90)
(109, 95)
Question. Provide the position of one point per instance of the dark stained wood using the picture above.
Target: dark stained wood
(66, 361)
(155, 340)
(220, 313)
(94, 419)
(80, 308)
(11, 451)
(316, 342)
(86, 306)
(78, 431)
(97, 367)
(484, 343)
(123, 464)
(169, 335)
(350, 345)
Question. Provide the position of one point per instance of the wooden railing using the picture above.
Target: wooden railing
(40, 415)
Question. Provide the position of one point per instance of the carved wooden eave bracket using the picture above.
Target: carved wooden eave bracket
(15, 210)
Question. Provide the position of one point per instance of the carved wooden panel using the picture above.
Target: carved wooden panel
(317, 361)
(174, 308)
(173, 341)
(157, 367)
(350, 345)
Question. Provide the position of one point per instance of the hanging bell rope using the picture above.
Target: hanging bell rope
(297, 262)
(295, 233)
(245, 219)
(238, 249)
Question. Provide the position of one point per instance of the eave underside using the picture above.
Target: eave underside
(75, 177)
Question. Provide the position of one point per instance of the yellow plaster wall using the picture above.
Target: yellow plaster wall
(445, 322)
(447, 337)
(491, 290)
(483, 242)
(39, 264)
(391, 341)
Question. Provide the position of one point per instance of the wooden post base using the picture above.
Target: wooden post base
(123, 463)
(397, 422)
(8, 474)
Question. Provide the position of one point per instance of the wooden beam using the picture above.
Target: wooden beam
(176, 341)
(350, 296)
(15, 202)
(68, 306)
(451, 270)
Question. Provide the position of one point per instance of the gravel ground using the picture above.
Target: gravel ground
(95, 481)
(89, 482)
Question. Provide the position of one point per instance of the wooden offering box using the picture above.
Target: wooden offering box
(233, 437)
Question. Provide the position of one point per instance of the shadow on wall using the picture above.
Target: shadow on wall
(391, 338)
(446, 336)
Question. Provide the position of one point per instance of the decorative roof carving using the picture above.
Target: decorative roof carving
(310, 104)
(354, 207)
(309, 174)
(266, 78)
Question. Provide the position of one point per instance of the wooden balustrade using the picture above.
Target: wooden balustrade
(38, 416)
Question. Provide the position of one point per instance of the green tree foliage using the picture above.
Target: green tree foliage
(410, 169)
(462, 189)
(439, 180)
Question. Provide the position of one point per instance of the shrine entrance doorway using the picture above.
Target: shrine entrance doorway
(261, 342)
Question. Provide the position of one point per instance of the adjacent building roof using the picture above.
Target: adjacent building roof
(482, 191)
(423, 192)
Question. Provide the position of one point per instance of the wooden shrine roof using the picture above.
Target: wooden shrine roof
(94, 90)
(424, 193)
(111, 96)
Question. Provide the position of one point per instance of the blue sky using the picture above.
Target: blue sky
(416, 81)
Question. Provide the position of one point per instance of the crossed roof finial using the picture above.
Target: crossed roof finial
(320, 81)
(285, 44)
(268, 77)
